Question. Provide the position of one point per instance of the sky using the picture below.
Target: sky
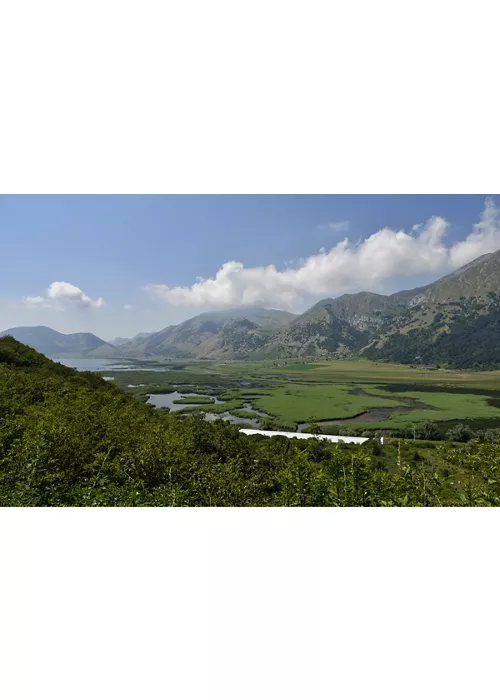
(123, 264)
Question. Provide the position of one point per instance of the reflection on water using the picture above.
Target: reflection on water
(249, 407)
(167, 400)
(92, 364)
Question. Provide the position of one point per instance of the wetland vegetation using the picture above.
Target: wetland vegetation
(359, 395)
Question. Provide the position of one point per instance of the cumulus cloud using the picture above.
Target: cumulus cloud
(63, 295)
(37, 302)
(335, 226)
(345, 267)
(485, 237)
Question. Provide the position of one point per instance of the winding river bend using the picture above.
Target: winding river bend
(373, 415)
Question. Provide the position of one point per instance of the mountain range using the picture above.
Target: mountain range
(454, 321)
(232, 334)
(51, 343)
(121, 341)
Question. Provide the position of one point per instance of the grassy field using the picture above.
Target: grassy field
(362, 371)
(299, 402)
(292, 392)
(195, 400)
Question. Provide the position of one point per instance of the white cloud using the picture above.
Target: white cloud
(345, 267)
(485, 237)
(63, 295)
(37, 302)
(128, 307)
(335, 226)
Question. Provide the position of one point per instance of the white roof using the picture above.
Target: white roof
(305, 436)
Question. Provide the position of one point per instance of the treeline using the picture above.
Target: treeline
(72, 439)
(426, 430)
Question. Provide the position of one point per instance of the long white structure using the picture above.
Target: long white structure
(305, 436)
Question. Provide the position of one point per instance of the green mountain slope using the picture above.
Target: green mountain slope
(317, 332)
(453, 321)
(212, 335)
(462, 334)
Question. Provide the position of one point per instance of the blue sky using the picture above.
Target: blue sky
(147, 252)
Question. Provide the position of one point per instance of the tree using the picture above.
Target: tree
(313, 426)
(459, 433)
(427, 430)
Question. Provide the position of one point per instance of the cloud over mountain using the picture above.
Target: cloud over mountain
(345, 267)
(63, 295)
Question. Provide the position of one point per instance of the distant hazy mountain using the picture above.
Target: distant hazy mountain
(118, 342)
(50, 342)
(213, 335)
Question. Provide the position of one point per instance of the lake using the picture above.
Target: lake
(167, 401)
(93, 364)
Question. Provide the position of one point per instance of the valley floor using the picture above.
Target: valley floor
(339, 396)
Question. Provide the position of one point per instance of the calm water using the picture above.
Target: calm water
(91, 364)
(167, 401)
(249, 407)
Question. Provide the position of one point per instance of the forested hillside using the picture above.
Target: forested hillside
(463, 334)
(72, 439)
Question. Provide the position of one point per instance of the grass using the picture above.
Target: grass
(229, 406)
(245, 414)
(447, 407)
(322, 389)
(195, 400)
(299, 402)
(291, 392)
(364, 371)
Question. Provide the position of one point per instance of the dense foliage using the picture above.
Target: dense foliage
(466, 338)
(73, 439)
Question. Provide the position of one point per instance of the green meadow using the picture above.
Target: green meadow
(290, 392)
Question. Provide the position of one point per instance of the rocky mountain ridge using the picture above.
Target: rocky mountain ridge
(454, 321)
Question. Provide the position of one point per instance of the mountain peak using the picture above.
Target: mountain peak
(50, 342)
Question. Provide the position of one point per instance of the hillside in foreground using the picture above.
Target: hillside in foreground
(73, 439)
